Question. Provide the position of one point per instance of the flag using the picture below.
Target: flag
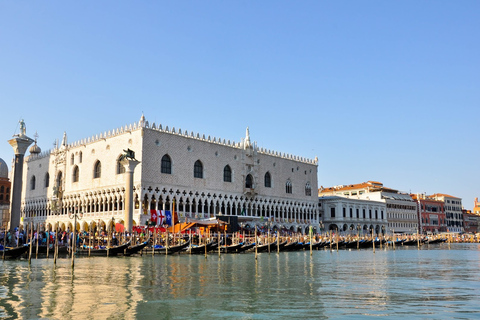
(153, 216)
(168, 217)
(160, 217)
(243, 212)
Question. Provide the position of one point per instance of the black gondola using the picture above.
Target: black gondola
(171, 249)
(13, 252)
(112, 251)
(136, 248)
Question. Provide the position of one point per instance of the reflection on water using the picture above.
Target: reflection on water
(435, 283)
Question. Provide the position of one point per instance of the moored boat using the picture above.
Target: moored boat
(13, 252)
(110, 251)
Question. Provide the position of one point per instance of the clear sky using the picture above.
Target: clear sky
(378, 90)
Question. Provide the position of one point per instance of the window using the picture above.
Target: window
(47, 180)
(288, 186)
(166, 164)
(249, 181)
(268, 180)
(198, 169)
(308, 189)
(72, 159)
(120, 166)
(344, 212)
(32, 183)
(97, 170)
(76, 174)
(332, 212)
(227, 174)
(80, 157)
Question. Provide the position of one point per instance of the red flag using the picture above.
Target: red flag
(153, 216)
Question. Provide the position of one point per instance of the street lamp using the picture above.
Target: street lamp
(74, 216)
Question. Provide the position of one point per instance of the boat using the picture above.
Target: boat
(136, 248)
(171, 249)
(111, 251)
(199, 249)
(233, 248)
(291, 246)
(13, 252)
(246, 247)
(266, 247)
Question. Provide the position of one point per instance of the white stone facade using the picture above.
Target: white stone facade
(287, 201)
(353, 216)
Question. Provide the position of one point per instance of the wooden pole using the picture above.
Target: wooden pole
(55, 247)
(30, 245)
(278, 241)
(310, 232)
(155, 241)
(48, 238)
(4, 242)
(394, 239)
(167, 243)
(373, 241)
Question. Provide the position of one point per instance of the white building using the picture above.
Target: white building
(453, 211)
(401, 209)
(207, 176)
(353, 216)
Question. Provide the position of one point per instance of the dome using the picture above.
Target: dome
(35, 149)
(3, 169)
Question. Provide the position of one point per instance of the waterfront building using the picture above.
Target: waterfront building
(476, 206)
(453, 211)
(203, 176)
(401, 209)
(431, 214)
(471, 222)
(5, 186)
(352, 216)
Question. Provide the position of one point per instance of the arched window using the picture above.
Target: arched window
(72, 159)
(249, 181)
(227, 174)
(80, 156)
(198, 169)
(268, 180)
(288, 186)
(97, 170)
(166, 164)
(47, 180)
(32, 183)
(76, 174)
(120, 167)
(308, 189)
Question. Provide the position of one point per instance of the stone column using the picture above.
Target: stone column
(129, 165)
(19, 144)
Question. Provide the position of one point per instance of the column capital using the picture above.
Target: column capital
(20, 144)
(129, 164)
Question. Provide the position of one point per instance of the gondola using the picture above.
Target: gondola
(171, 249)
(233, 248)
(42, 250)
(410, 242)
(13, 252)
(199, 249)
(265, 247)
(246, 247)
(136, 248)
(112, 251)
(291, 246)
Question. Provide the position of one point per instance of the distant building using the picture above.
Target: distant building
(5, 186)
(431, 214)
(476, 207)
(401, 209)
(453, 211)
(471, 222)
(203, 176)
(348, 215)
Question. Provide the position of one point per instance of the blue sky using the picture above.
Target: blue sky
(378, 90)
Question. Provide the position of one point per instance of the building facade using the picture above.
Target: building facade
(453, 211)
(352, 216)
(431, 214)
(203, 176)
(5, 186)
(401, 209)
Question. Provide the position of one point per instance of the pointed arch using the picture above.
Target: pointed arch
(268, 180)
(97, 169)
(198, 169)
(75, 174)
(227, 174)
